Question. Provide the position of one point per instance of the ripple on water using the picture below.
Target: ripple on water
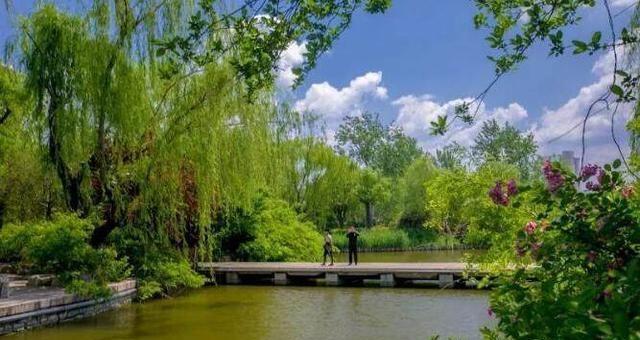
(266, 312)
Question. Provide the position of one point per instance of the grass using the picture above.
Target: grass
(384, 238)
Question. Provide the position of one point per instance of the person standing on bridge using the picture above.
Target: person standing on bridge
(328, 248)
(352, 235)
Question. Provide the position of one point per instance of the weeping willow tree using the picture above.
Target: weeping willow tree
(154, 119)
(132, 146)
(27, 186)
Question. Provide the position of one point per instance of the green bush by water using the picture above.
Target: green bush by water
(61, 247)
(380, 238)
(279, 235)
(384, 238)
(160, 269)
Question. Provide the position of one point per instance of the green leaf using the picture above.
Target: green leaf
(622, 73)
(595, 38)
(617, 163)
(617, 90)
(580, 46)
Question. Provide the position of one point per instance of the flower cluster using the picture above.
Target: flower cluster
(593, 186)
(530, 227)
(589, 171)
(512, 188)
(573, 232)
(498, 194)
(554, 178)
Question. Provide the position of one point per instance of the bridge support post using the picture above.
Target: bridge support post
(332, 279)
(387, 280)
(231, 278)
(4, 286)
(445, 280)
(280, 279)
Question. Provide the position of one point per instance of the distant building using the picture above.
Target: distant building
(567, 158)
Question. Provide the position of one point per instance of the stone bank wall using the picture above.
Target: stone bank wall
(33, 308)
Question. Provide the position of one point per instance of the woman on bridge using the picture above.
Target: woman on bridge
(328, 248)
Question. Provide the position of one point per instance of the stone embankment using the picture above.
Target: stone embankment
(29, 306)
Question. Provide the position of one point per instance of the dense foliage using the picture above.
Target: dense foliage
(280, 236)
(585, 249)
(61, 246)
(134, 142)
(496, 143)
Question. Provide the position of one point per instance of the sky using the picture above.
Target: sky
(423, 57)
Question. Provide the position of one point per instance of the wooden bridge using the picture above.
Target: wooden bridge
(444, 275)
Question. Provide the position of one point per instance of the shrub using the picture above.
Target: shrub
(168, 277)
(14, 238)
(160, 269)
(375, 238)
(586, 249)
(281, 236)
(61, 247)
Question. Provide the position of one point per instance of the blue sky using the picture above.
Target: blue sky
(427, 55)
(424, 56)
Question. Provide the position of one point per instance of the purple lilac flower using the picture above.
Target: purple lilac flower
(593, 186)
(588, 171)
(600, 176)
(554, 178)
(512, 187)
(498, 196)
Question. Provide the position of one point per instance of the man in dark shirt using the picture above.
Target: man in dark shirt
(352, 235)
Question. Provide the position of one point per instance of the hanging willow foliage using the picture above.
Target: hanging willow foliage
(159, 115)
(133, 147)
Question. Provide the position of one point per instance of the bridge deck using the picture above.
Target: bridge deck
(364, 268)
(388, 274)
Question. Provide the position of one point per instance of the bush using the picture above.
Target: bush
(375, 238)
(61, 247)
(160, 269)
(168, 277)
(586, 249)
(280, 236)
(14, 238)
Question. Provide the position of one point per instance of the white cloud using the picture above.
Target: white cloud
(560, 128)
(290, 58)
(333, 104)
(553, 129)
(416, 113)
(623, 3)
(556, 130)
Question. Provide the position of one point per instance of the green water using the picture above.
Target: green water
(288, 313)
(265, 312)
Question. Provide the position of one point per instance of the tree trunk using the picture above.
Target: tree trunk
(340, 212)
(369, 211)
(71, 183)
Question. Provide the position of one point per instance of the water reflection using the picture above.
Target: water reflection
(284, 313)
(264, 312)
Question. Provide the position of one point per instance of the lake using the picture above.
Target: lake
(315, 312)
